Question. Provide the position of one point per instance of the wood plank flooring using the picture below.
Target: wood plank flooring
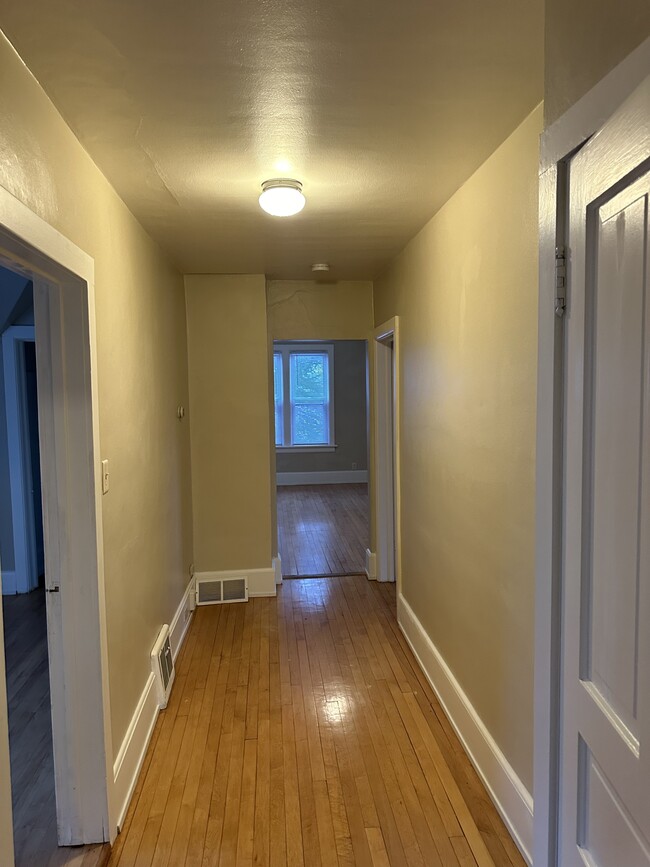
(300, 731)
(323, 529)
(30, 740)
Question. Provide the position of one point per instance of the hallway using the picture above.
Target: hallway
(300, 731)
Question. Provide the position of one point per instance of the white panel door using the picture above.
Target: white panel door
(605, 763)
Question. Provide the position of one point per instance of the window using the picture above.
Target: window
(303, 391)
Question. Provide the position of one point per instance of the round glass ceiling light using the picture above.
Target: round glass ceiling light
(282, 197)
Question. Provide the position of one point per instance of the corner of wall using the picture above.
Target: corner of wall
(510, 796)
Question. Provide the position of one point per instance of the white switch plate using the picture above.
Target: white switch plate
(105, 482)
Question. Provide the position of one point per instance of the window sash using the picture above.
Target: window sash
(278, 397)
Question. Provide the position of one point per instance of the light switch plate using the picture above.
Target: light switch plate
(105, 482)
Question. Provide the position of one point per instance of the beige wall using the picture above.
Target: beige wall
(229, 412)
(465, 289)
(584, 40)
(142, 371)
(305, 310)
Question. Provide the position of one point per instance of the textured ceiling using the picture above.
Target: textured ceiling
(381, 108)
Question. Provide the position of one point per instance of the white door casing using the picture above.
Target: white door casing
(386, 451)
(604, 765)
(63, 277)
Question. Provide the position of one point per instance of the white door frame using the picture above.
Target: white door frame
(64, 311)
(24, 577)
(559, 142)
(387, 452)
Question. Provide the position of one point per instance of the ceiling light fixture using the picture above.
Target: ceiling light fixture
(282, 197)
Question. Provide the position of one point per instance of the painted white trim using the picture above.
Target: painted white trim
(371, 565)
(277, 568)
(64, 312)
(128, 762)
(20, 471)
(305, 450)
(386, 455)
(285, 350)
(182, 619)
(8, 580)
(261, 582)
(558, 142)
(130, 757)
(511, 798)
(591, 111)
(335, 477)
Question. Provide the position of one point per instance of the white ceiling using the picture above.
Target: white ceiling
(381, 108)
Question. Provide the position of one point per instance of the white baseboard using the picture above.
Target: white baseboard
(371, 565)
(128, 761)
(261, 582)
(277, 568)
(182, 619)
(511, 798)
(8, 583)
(134, 746)
(339, 477)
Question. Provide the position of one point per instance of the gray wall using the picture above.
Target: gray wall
(350, 418)
(6, 524)
(19, 298)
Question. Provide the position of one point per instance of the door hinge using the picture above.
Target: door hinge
(560, 281)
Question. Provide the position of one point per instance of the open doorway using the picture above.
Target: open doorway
(53, 382)
(386, 452)
(23, 580)
(321, 442)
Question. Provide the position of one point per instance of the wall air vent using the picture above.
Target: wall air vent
(216, 591)
(162, 665)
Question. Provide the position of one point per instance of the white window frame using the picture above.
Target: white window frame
(286, 350)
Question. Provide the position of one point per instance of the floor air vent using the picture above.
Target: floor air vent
(162, 665)
(215, 591)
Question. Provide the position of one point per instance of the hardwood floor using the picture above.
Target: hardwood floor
(300, 731)
(30, 740)
(323, 529)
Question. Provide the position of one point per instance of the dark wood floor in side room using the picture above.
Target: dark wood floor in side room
(30, 738)
(323, 529)
(300, 731)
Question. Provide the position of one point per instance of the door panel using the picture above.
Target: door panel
(614, 454)
(605, 772)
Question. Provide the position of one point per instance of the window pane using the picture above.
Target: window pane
(278, 396)
(309, 377)
(309, 424)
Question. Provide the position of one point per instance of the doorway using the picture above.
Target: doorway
(73, 593)
(321, 445)
(593, 615)
(23, 581)
(387, 566)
